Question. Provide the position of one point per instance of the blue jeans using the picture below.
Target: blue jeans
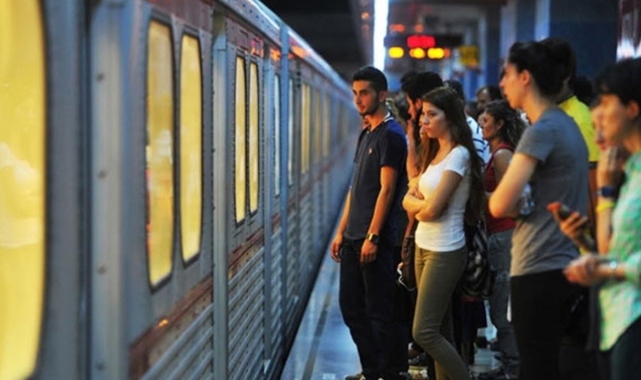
(499, 245)
(624, 356)
(367, 301)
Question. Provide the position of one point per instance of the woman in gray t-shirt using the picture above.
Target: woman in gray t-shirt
(551, 161)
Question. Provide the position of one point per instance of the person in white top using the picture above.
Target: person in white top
(449, 194)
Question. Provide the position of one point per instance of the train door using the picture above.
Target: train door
(246, 251)
(292, 255)
(274, 249)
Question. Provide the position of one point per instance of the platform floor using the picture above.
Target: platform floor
(323, 348)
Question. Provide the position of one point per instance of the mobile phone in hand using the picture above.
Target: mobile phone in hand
(585, 240)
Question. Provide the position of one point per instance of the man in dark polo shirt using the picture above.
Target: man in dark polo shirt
(364, 242)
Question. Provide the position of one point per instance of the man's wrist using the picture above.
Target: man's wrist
(373, 238)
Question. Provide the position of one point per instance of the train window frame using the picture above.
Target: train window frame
(26, 166)
(276, 120)
(253, 138)
(240, 157)
(157, 281)
(305, 119)
(290, 133)
(326, 123)
(318, 125)
(186, 259)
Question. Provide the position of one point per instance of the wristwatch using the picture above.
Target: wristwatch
(606, 192)
(373, 238)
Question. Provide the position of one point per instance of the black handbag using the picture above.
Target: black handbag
(478, 277)
(407, 277)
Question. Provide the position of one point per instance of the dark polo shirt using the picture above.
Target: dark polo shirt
(385, 145)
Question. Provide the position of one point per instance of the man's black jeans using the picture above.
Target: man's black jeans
(367, 300)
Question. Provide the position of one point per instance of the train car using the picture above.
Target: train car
(170, 174)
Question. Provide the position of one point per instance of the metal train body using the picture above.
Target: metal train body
(195, 156)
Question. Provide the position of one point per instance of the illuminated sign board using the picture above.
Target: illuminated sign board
(424, 41)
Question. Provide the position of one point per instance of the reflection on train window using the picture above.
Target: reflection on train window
(326, 124)
(317, 126)
(253, 137)
(290, 137)
(305, 126)
(240, 174)
(22, 186)
(159, 152)
(276, 135)
(190, 147)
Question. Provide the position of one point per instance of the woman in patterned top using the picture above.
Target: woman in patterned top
(620, 271)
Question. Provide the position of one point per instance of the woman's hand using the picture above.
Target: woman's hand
(572, 226)
(583, 270)
(609, 169)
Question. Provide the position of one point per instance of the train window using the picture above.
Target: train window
(159, 152)
(305, 129)
(317, 125)
(190, 147)
(326, 124)
(290, 135)
(253, 137)
(22, 185)
(240, 176)
(276, 135)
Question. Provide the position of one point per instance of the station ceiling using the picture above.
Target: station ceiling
(329, 26)
(341, 31)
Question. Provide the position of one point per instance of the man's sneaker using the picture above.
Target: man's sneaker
(358, 376)
(496, 374)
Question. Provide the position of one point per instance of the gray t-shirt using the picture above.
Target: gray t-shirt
(561, 175)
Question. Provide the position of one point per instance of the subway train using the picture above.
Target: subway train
(170, 175)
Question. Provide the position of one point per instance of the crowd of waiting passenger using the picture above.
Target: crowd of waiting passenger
(543, 166)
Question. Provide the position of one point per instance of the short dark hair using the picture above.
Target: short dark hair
(373, 75)
(563, 53)
(622, 79)
(537, 59)
(583, 89)
(457, 87)
(492, 90)
(419, 84)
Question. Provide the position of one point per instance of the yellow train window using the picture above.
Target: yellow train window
(317, 126)
(253, 137)
(290, 137)
(276, 135)
(240, 173)
(305, 129)
(326, 125)
(190, 147)
(159, 152)
(22, 185)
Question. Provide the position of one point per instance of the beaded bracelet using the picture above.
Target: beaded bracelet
(604, 205)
